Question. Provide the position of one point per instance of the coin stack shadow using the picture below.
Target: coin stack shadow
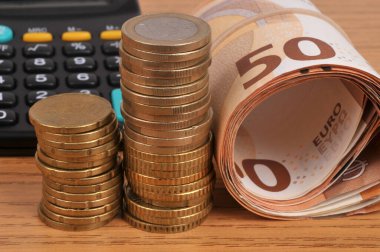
(166, 107)
(77, 153)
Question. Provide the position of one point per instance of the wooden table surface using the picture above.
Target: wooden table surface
(229, 226)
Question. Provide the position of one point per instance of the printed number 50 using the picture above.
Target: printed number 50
(291, 49)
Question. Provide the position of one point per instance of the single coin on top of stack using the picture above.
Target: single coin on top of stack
(77, 153)
(166, 106)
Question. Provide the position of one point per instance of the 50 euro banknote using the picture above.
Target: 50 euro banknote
(295, 106)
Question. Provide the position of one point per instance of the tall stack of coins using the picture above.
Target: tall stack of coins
(77, 153)
(166, 106)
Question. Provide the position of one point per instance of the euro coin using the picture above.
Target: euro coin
(80, 137)
(91, 212)
(138, 207)
(137, 65)
(167, 91)
(82, 145)
(70, 113)
(50, 171)
(133, 221)
(199, 129)
(204, 150)
(196, 72)
(143, 179)
(167, 57)
(137, 186)
(166, 33)
(79, 220)
(166, 142)
(68, 227)
(132, 96)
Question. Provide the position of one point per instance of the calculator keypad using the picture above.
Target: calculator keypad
(112, 63)
(6, 51)
(7, 117)
(78, 64)
(35, 96)
(38, 50)
(82, 80)
(111, 48)
(41, 81)
(39, 65)
(7, 99)
(7, 82)
(6, 66)
(78, 49)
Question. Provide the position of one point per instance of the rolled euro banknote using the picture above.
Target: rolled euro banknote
(295, 105)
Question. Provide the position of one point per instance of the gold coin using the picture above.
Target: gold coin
(49, 171)
(81, 145)
(127, 75)
(82, 204)
(166, 33)
(167, 91)
(82, 212)
(154, 228)
(71, 165)
(88, 181)
(167, 57)
(140, 123)
(79, 220)
(142, 179)
(205, 150)
(81, 153)
(141, 164)
(163, 101)
(70, 113)
(80, 137)
(138, 186)
(68, 227)
(198, 129)
(166, 142)
(196, 72)
(168, 110)
(138, 207)
(163, 150)
(84, 189)
(80, 197)
(174, 197)
(136, 64)
(178, 220)
(201, 112)
(75, 160)
(178, 204)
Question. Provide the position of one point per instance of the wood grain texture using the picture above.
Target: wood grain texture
(229, 227)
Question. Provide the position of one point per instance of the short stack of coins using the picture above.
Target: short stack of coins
(166, 106)
(77, 153)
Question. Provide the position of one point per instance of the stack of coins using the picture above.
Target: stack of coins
(166, 106)
(77, 153)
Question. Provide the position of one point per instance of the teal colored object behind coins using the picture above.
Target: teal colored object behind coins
(116, 103)
(6, 34)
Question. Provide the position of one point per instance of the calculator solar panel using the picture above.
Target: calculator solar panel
(46, 49)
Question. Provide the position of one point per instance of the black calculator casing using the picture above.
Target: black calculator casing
(20, 139)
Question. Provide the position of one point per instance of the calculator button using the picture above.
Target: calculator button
(116, 100)
(114, 79)
(110, 35)
(41, 81)
(7, 99)
(76, 36)
(6, 66)
(7, 117)
(80, 64)
(78, 49)
(82, 80)
(6, 34)
(111, 48)
(6, 51)
(88, 91)
(112, 63)
(35, 96)
(37, 37)
(39, 65)
(38, 50)
(7, 82)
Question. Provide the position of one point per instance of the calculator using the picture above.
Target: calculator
(49, 47)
